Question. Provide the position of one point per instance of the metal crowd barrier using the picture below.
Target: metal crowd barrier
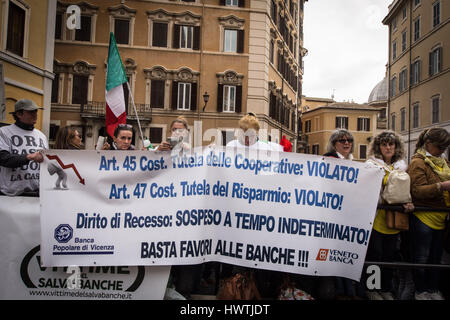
(409, 265)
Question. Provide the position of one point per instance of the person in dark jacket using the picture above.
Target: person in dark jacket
(123, 135)
(340, 145)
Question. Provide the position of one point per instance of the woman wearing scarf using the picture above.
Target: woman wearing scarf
(430, 185)
(387, 152)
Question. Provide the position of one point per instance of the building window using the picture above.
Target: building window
(307, 126)
(363, 124)
(393, 86)
(394, 50)
(402, 81)
(232, 2)
(229, 98)
(58, 26)
(184, 96)
(186, 37)
(417, 29)
(341, 122)
(403, 119)
(362, 151)
(436, 13)
(156, 134)
(404, 13)
(394, 25)
(159, 34)
(393, 119)
(157, 93)
(233, 40)
(80, 89)
(315, 149)
(415, 72)
(435, 110)
(122, 31)
(230, 41)
(16, 29)
(403, 41)
(435, 65)
(55, 88)
(415, 123)
(416, 3)
(84, 33)
(272, 51)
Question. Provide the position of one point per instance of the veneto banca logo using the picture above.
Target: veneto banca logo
(63, 233)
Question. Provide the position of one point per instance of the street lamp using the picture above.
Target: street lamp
(205, 99)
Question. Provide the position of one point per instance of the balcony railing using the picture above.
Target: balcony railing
(98, 109)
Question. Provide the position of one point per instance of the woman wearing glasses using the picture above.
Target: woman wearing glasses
(340, 145)
(430, 186)
(123, 135)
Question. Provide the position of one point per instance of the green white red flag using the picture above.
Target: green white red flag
(114, 95)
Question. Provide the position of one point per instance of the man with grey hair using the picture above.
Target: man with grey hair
(20, 146)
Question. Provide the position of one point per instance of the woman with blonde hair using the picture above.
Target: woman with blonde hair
(386, 151)
(430, 186)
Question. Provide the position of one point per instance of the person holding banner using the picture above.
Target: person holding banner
(20, 156)
(185, 277)
(430, 186)
(179, 136)
(386, 151)
(248, 137)
(340, 145)
(123, 135)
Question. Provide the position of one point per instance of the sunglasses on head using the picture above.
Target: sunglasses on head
(125, 125)
(345, 140)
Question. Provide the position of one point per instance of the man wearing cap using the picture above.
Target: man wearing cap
(20, 146)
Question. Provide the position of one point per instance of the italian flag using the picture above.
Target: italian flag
(114, 96)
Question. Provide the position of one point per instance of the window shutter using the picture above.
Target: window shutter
(222, 2)
(368, 124)
(174, 95)
(240, 39)
(242, 3)
(219, 97)
(193, 96)
(238, 106)
(159, 34)
(196, 45)
(359, 124)
(430, 66)
(439, 59)
(411, 74)
(176, 37)
(346, 122)
(337, 122)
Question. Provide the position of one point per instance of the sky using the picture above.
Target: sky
(347, 47)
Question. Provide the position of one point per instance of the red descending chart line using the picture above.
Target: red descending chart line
(66, 166)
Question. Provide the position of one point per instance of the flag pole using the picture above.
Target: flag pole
(134, 107)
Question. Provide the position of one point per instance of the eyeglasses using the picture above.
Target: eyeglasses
(345, 140)
(125, 125)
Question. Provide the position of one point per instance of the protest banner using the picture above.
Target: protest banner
(23, 277)
(279, 211)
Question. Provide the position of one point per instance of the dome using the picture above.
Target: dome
(380, 92)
